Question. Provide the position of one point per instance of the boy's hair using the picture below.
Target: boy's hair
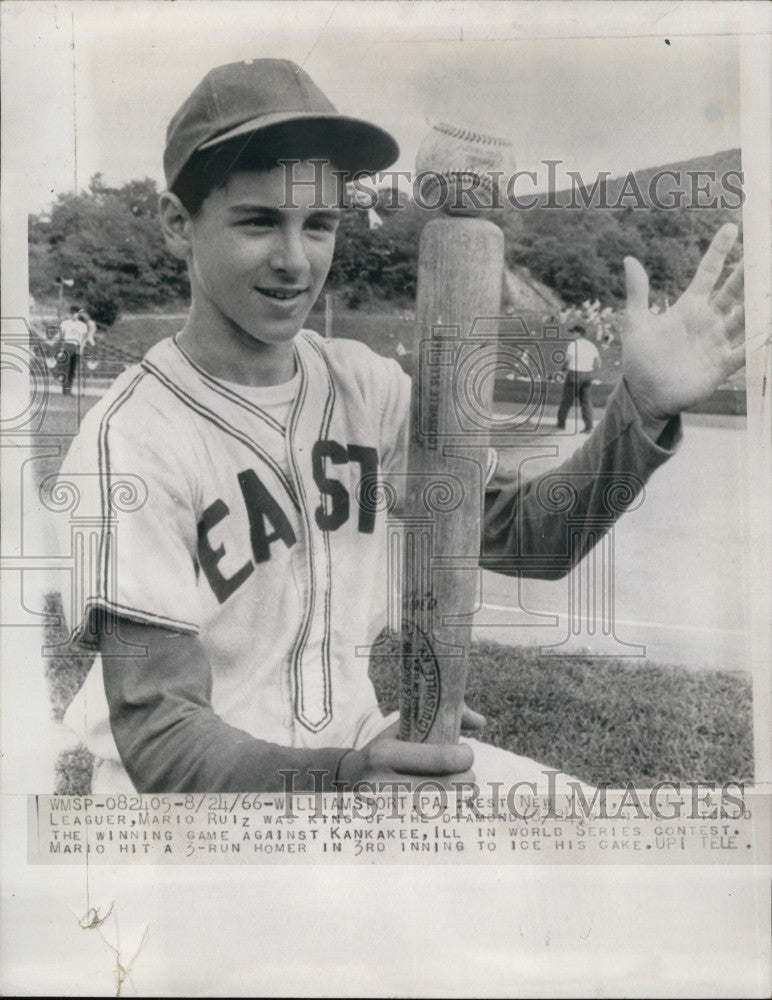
(578, 328)
(74, 310)
(208, 170)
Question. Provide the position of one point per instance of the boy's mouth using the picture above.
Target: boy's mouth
(281, 294)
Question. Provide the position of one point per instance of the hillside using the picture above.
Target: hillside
(578, 251)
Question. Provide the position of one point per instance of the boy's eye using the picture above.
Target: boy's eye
(258, 222)
(323, 224)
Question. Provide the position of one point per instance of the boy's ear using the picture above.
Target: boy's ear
(175, 224)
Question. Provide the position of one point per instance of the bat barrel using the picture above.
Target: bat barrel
(459, 297)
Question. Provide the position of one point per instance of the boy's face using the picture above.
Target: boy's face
(260, 251)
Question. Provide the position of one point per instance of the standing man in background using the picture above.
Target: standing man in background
(76, 334)
(582, 360)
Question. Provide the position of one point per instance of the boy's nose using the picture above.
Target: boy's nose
(289, 254)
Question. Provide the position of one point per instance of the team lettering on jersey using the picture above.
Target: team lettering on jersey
(268, 524)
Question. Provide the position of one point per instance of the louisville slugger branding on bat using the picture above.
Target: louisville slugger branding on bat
(460, 272)
(422, 684)
(432, 404)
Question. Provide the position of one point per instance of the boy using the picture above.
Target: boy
(228, 605)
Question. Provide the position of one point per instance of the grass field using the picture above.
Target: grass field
(130, 337)
(604, 720)
(390, 333)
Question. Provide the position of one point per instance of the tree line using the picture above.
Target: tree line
(107, 241)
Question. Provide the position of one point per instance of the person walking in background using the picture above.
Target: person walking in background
(77, 332)
(582, 361)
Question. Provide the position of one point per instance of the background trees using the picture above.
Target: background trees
(107, 240)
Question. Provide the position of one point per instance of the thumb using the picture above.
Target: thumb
(636, 284)
(471, 719)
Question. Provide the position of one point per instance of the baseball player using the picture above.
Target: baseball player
(235, 575)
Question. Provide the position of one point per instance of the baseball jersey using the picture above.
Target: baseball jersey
(250, 532)
(246, 518)
(581, 355)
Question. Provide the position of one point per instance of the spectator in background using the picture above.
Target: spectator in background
(91, 325)
(76, 333)
(582, 360)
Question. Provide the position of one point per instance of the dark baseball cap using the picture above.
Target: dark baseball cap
(243, 98)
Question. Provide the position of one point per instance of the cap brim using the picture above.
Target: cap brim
(355, 145)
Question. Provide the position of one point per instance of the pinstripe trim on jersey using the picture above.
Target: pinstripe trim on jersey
(302, 638)
(326, 420)
(223, 425)
(103, 460)
(222, 390)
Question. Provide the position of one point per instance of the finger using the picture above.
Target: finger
(732, 290)
(424, 758)
(636, 284)
(471, 719)
(734, 324)
(712, 264)
(736, 360)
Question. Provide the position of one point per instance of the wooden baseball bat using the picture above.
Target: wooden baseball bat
(460, 271)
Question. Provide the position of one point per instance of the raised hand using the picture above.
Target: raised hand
(676, 359)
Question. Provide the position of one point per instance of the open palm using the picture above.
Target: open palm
(674, 360)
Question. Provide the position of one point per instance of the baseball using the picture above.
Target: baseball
(461, 170)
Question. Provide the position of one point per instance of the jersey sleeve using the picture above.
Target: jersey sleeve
(543, 527)
(131, 536)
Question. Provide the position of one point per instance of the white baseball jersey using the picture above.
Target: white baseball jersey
(252, 533)
(76, 331)
(581, 355)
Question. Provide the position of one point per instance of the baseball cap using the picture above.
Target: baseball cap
(240, 99)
